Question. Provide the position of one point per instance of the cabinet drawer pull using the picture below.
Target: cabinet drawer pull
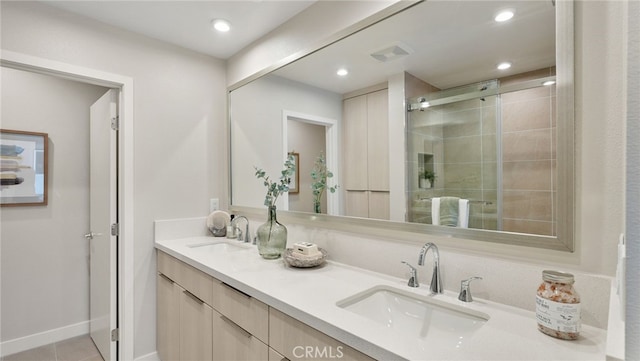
(194, 297)
(237, 290)
(165, 277)
(235, 325)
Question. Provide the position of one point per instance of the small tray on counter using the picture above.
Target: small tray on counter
(302, 261)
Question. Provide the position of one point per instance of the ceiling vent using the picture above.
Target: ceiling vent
(392, 53)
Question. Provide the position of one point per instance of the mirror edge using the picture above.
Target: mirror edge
(565, 129)
(564, 239)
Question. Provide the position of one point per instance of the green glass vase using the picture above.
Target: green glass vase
(272, 237)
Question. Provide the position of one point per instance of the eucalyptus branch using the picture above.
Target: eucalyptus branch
(276, 188)
(320, 174)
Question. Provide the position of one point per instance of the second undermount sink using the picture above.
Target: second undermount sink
(416, 316)
(222, 245)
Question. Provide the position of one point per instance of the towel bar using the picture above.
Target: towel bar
(484, 203)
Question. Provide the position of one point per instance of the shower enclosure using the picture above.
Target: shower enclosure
(490, 143)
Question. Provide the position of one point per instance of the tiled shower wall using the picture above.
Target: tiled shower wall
(529, 156)
(462, 138)
(469, 161)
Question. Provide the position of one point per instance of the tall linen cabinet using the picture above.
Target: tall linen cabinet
(366, 150)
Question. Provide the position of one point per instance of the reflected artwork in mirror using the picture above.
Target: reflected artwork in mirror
(425, 133)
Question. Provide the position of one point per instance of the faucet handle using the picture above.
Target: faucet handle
(413, 280)
(465, 290)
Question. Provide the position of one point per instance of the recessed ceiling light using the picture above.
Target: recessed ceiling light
(503, 16)
(504, 66)
(549, 82)
(221, 25)
(342, 72)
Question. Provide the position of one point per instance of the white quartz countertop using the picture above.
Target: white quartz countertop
(310, 295)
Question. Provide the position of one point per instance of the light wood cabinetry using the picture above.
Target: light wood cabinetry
(247, 312)
(196, 331)
(366, 150)
(184, 330)
(232, 342)
(276, 356)
(231, 325)
(297, 341)
(167, 320)
(200, 318)
(241, 325)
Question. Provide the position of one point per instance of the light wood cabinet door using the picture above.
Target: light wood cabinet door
(168, 319)
(233, 343)
(354, 118)
(378, 140)
(366, 149)
(297, 341)
(357, 204)
(196, 328)
(244, 310)
(379, 205)
(276, 356)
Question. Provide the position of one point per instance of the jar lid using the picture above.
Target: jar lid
(557, 277)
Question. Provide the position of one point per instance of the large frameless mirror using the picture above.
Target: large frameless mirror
(446, 122)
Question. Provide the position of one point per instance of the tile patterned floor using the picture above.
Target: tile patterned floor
(79, 348)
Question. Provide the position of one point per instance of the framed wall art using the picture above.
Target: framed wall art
(294, 187)
(23, 168)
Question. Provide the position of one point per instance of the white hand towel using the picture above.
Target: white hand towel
(463, 213)
(435, 211)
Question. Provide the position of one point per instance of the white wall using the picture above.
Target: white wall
(44, 253)
(309, 141)
(633, 183)
(179, 124)
(255, 139)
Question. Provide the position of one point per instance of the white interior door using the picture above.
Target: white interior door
(103, 214)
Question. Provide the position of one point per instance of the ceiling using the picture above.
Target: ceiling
(450, 43)
(187, 23)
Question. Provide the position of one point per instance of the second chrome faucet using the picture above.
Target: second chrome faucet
(436, 279)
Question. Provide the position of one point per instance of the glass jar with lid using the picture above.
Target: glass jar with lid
(558, 306)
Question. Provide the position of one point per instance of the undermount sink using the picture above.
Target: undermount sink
(415, 316)
(218, 246)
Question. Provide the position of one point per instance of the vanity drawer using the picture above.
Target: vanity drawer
(169, 266)
(244, 310)
(232, 342)
(297, 341)
(193, 280)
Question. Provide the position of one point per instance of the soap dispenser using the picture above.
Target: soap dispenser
(231, 228)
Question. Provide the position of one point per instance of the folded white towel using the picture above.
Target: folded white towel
(463, 212)
(435, 211)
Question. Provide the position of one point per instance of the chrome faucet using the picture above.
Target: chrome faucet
(247, 236)
(413, 279)
(465, 290)
(436, 279)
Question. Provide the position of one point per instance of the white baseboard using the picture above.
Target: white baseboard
(43, 338)
(149, 357)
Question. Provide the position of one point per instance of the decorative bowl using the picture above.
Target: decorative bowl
(293, 260)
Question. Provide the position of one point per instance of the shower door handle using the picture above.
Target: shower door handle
(89, 236)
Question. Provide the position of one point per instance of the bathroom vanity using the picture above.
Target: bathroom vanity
(219, 300)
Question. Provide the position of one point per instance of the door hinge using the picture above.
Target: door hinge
(115, 334)
(115, 123)
(115, 229)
